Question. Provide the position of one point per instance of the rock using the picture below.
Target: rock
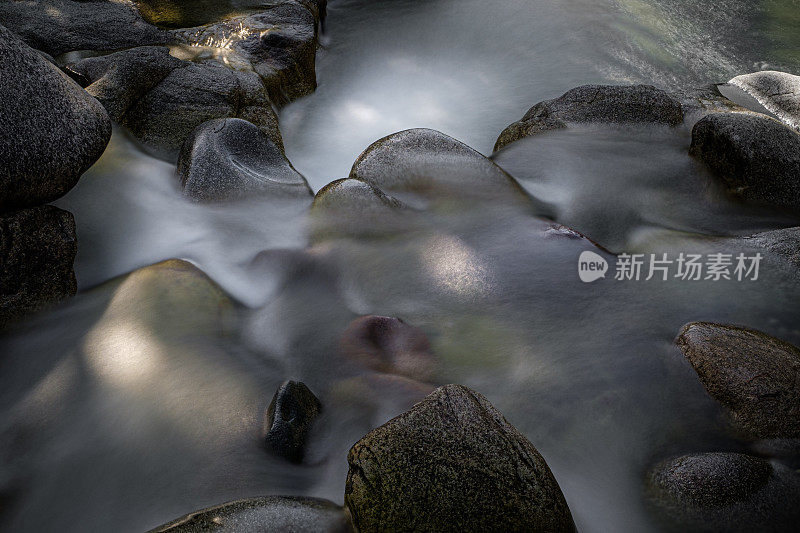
(51, 131)
(289, 417)
(783, 242)
(37, 249)
(756, 157)
(778, 92)
(452, 463)
(59, 26)
(350, 207)
(726, 492)
(596, 103)
(228, 159)
(752, 374)
(389, 345)
(430, 164)
(270, 513)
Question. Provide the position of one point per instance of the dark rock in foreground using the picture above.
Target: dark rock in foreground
(596, 103)
(228, 159)
(783, 242)
(389, 345)
(452, 463)
(51, 131)
(431, 165)
(726, 492)
(270, 513)
(756, 157)
(752, 374)
(289, 417)
(778, 92)
(37, 249)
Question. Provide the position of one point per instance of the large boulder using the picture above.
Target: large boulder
(725, 492)
(51, 131)
(596, 103)
(752, 374)
(756, 157)
(228, 159)
(270, 513)
(432, 165)
(452, 463)
(290, 416)
(37, 249)
(778, 92)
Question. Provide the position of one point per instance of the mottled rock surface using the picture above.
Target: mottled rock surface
(756, 157)
(51, 131)
(289, 418)
(228, 159)
(757, 377)
(452, 463)
(270, 513)
(778, 92)
(596, 103)
(725, 492)
(389, 345)
(783, 242)
(37, 249)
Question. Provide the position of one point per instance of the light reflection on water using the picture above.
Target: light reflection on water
(141, 399)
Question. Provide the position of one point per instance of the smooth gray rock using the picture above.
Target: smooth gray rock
(289, 418)
(37, 250)
(725, 492)
(596, 103)
(783, 242)
(228, 159)
(756, 157)
(51, 131)
(432, 165)
(270, 513)
(778, 92)
(388, 345)
(752, 374)
(59, 26)
(452, 463)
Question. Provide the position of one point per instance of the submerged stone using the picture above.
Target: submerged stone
(269, 513)
(289, 418)
(610, 104)
(752, 374)
(452, 463)
(51, 131)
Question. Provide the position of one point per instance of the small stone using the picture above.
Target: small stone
(783, 242)
(756, 157)
(609, 104)
(778, 92)
(37, 250)
(752, 374)
(270, 513)
(389, 345)
(289, 417)
(452, 463)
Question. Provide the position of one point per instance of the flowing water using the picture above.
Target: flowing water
(140, 400)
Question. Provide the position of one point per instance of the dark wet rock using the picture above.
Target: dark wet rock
(289, 418)
(162, 99)
(756, 157)
(783, 242)
(752, 374)
(389, 345)
(37, 249)
(778, 92)
(270, 513)
(725, 492)
(351, 207)
(431, 165)
(452, 463)
(51, 131)
(59, 26)
(596, 103)
(227, 159)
